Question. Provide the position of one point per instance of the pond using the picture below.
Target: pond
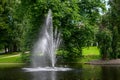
(79, 72)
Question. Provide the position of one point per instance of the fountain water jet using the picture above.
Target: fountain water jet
(43, 54)
(45, 47)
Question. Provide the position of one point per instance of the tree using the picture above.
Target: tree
(110, 24)
(8, 27)
(4, 24)
(104, 38)
(114, 26)
(75, 19)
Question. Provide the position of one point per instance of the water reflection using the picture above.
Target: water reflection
(110, 73)
(13, 74)
(80, 72)
(44, 75)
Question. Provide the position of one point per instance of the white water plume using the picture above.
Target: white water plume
(43, 53)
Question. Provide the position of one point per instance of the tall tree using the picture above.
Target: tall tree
(9, 29)
(114, 26)
(111, 27)
(4, 24)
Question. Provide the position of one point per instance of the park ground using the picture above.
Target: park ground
(11, 60)
(91, 55)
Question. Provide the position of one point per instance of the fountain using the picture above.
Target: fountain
(43, 55)
(44, 49)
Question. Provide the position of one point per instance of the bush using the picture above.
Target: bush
(104, 38)
(25, 57)
(64, 55)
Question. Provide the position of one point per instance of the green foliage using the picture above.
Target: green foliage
(80, 37)
(104, 38)
(90, 10)
(114, 25)
(111, 21)
(25, 57)
(62, 56)
(89, 54)
(115, 43)
(76, 19)
(9, 31)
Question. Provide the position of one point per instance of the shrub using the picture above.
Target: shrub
(25, 57)
(104, 38)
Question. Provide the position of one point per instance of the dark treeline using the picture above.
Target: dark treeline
(109, 32)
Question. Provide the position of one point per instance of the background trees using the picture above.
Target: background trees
(110, 22)
(115, 27)
(9, 29)
(77, 21)
(80, 22)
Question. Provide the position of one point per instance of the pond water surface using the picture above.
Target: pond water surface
(79, 72)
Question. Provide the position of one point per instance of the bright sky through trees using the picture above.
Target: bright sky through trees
(107, 6)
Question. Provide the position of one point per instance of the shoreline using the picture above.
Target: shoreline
(104, 62)
(11, 65)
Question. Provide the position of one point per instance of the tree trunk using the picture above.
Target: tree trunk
(15, 48)
(6, 49)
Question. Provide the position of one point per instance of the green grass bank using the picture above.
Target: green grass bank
(11, 60)
(14, 59)
(89, 54)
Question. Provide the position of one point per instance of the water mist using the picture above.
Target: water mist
(43, 53)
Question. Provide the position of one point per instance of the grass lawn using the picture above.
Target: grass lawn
(14, 59)
(11, 65)
(90, 51)
(8, 54)
(10, 60)
(89, 54)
